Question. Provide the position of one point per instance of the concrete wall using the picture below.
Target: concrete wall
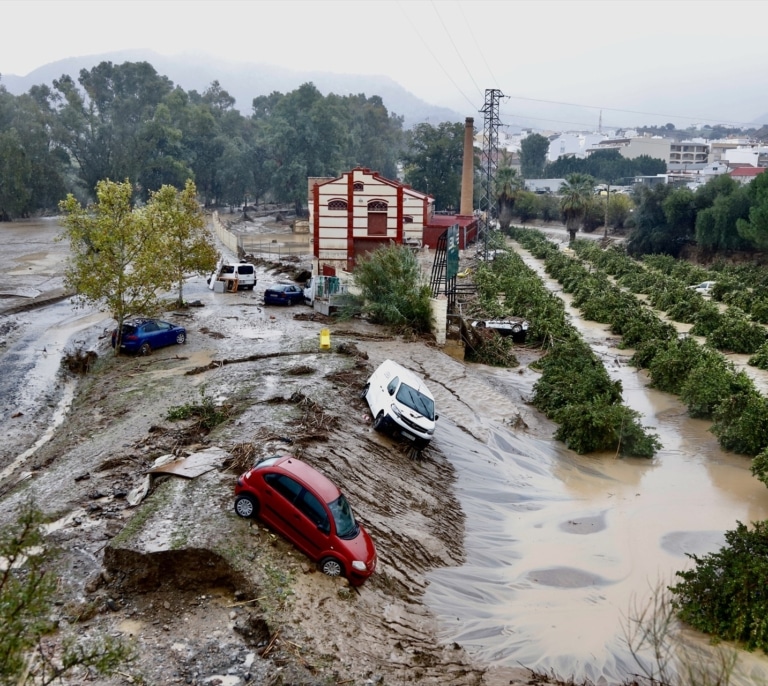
(229, 239)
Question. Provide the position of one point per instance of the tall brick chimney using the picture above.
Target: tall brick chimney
(468, 168)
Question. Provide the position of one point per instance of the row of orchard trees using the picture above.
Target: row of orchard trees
(129, 122)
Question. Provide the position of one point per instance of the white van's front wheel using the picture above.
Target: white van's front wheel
(378, 423)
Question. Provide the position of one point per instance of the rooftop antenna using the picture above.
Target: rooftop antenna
(600, 123)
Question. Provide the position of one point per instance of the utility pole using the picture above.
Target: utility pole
(607, 200)
(491, 126)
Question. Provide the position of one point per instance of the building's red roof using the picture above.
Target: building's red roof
(446, 220)
(747, 171)
(382, 179)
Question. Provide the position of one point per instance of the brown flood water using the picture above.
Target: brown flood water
(561, 548)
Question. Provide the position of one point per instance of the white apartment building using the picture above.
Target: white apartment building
(573, 145)
(653, 146)
(756, 156)
(688, 155)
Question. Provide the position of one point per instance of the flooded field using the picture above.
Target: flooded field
(560, 549)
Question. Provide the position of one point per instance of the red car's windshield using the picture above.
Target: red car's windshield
(346, 526)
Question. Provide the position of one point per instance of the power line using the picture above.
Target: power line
(456, 50)
(429, 50)
(616, 109)
(477, 45)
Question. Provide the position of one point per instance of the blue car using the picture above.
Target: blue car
(283, 294)
(142, 336)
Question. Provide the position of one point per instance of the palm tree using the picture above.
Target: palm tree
(507, 184)
(575, 195)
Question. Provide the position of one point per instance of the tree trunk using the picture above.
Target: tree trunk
(572, 229)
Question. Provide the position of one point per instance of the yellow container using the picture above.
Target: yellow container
(325, 339)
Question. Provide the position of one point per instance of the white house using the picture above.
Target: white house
(360, 211)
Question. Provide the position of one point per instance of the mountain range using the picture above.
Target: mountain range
(245, 81)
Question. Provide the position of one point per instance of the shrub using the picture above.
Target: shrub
(736, 333)
(724, 594)
(572, 375)
(645, 352)
(760, 358)
(600, 425)
(391, 283)
(741, 418)
(707, 320)
(549, 208)
(759, 309)
(708, 384)
(206, 413)
(760, 466)
(671, 366)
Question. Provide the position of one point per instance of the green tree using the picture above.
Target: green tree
(375, 137)
(32, 168)
(620, 208)
(755, 228)
(117, 258)
(106, 124)
(433, 162)
(717, 227)
(15, 171)
(27, 594)
(527, 206)
(651, 232)
(575, 196)
(533, 156)
(507, 186)
(680, 213)
(176, 216)
(393, 288)
(606, 166)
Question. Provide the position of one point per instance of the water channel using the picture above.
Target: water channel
(564, 550)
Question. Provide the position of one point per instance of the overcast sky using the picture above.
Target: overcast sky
(683, 60)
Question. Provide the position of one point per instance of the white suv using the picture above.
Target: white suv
(400, 402)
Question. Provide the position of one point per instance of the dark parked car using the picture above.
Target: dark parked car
(308, 509)
(145, 335)
(283, 294)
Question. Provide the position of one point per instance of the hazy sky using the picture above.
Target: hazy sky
(682, 60)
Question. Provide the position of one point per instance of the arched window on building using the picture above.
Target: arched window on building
(377, 218)
(358, 186)
(337, 204)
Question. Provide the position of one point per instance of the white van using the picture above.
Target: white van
(400, 403)
(234, 275)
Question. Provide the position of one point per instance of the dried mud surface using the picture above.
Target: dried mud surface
(204, 596)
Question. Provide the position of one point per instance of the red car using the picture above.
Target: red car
(308, 509)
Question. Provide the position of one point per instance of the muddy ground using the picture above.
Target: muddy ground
(208, 598)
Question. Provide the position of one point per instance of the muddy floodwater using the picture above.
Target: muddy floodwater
(561, 549)
(564, 550)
